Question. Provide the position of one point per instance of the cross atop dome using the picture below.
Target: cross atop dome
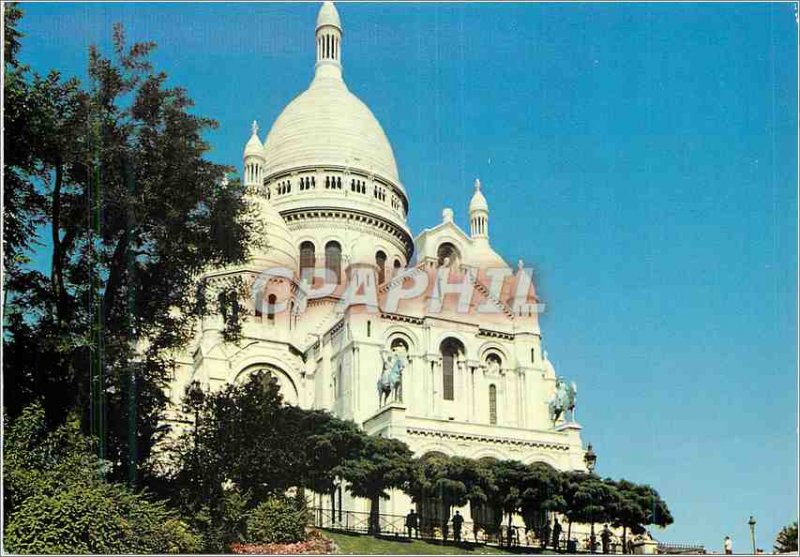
(254, 127)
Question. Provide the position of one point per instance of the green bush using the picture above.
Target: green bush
(99, 518)
(277, 520)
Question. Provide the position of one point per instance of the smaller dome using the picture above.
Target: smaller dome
(478, 202)
(328, 15)
(280, 249)
(254, 147)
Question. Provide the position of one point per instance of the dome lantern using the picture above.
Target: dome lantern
(329, 41)
(478, 214)
(253, 159)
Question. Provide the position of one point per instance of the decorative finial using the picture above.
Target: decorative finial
(477, 184)
(255, 127)
(447, 214)
(520, 265)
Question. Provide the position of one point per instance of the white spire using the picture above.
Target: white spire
(254, 147)
(329, 42)
(478, 213)
(253, 159)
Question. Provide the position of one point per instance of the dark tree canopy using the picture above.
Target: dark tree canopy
(113, 177)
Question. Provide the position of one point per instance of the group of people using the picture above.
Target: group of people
(412, 525)
(549, 536)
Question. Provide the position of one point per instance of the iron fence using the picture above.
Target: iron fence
(394, 526)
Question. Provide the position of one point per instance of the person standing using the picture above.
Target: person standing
(605, 539)
(412, 523)
(458, 521)
(545, 534)
(556, 534)
(728, 545)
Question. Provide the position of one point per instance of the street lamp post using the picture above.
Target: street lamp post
(752, 524)
(590, 458)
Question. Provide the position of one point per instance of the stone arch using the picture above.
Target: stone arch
(447, 248)
(488, 453)
(451, 334)
(494, 347)
(432, 448)
(287, 378)
(547, 459)
(400, 331)
(286, 385)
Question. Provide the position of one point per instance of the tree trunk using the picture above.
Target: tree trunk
(374, 518)
(624, 540)
(569, 529)
(333, 505)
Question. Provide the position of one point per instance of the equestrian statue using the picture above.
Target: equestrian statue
(563, 401)
(390, 382)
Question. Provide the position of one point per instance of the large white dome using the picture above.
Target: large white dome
(327, 124)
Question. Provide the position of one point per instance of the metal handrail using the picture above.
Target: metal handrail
(429, 530)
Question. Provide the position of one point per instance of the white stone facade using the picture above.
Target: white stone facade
(327, 186)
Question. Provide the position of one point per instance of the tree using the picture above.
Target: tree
(328, 443)
(786, 542)
(447, 482)
(509, 478)
(381, 465)
(541, 493)
(589, 500)
(119, 297)
(629, 513)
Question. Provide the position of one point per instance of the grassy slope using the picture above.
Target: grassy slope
(368, 545)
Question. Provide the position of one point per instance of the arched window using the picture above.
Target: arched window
(449, 251)
(397, 265)
(492, 404)
(533, 355)
(369, 328)
(271, 300)
(451, 349)
(333, 260)
(380, 263)
(307, 258)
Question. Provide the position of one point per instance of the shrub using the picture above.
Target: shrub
(96, 518)
(277, 520)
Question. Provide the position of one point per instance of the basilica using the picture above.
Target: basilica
(341, 314)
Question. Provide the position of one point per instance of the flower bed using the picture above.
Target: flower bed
(315, 544)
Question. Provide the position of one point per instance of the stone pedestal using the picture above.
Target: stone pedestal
(568, 426)
(389, 421)
(645, 547)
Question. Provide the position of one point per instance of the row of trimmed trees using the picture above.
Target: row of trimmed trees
(245, 439)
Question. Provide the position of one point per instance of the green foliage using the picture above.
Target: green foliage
(97, 518)
(380, 465)
(56, 500)
(37, 461)
(121, 150)
(277, 520)
(786, 541)
(224, 468)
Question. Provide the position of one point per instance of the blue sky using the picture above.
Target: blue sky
(642, 157)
